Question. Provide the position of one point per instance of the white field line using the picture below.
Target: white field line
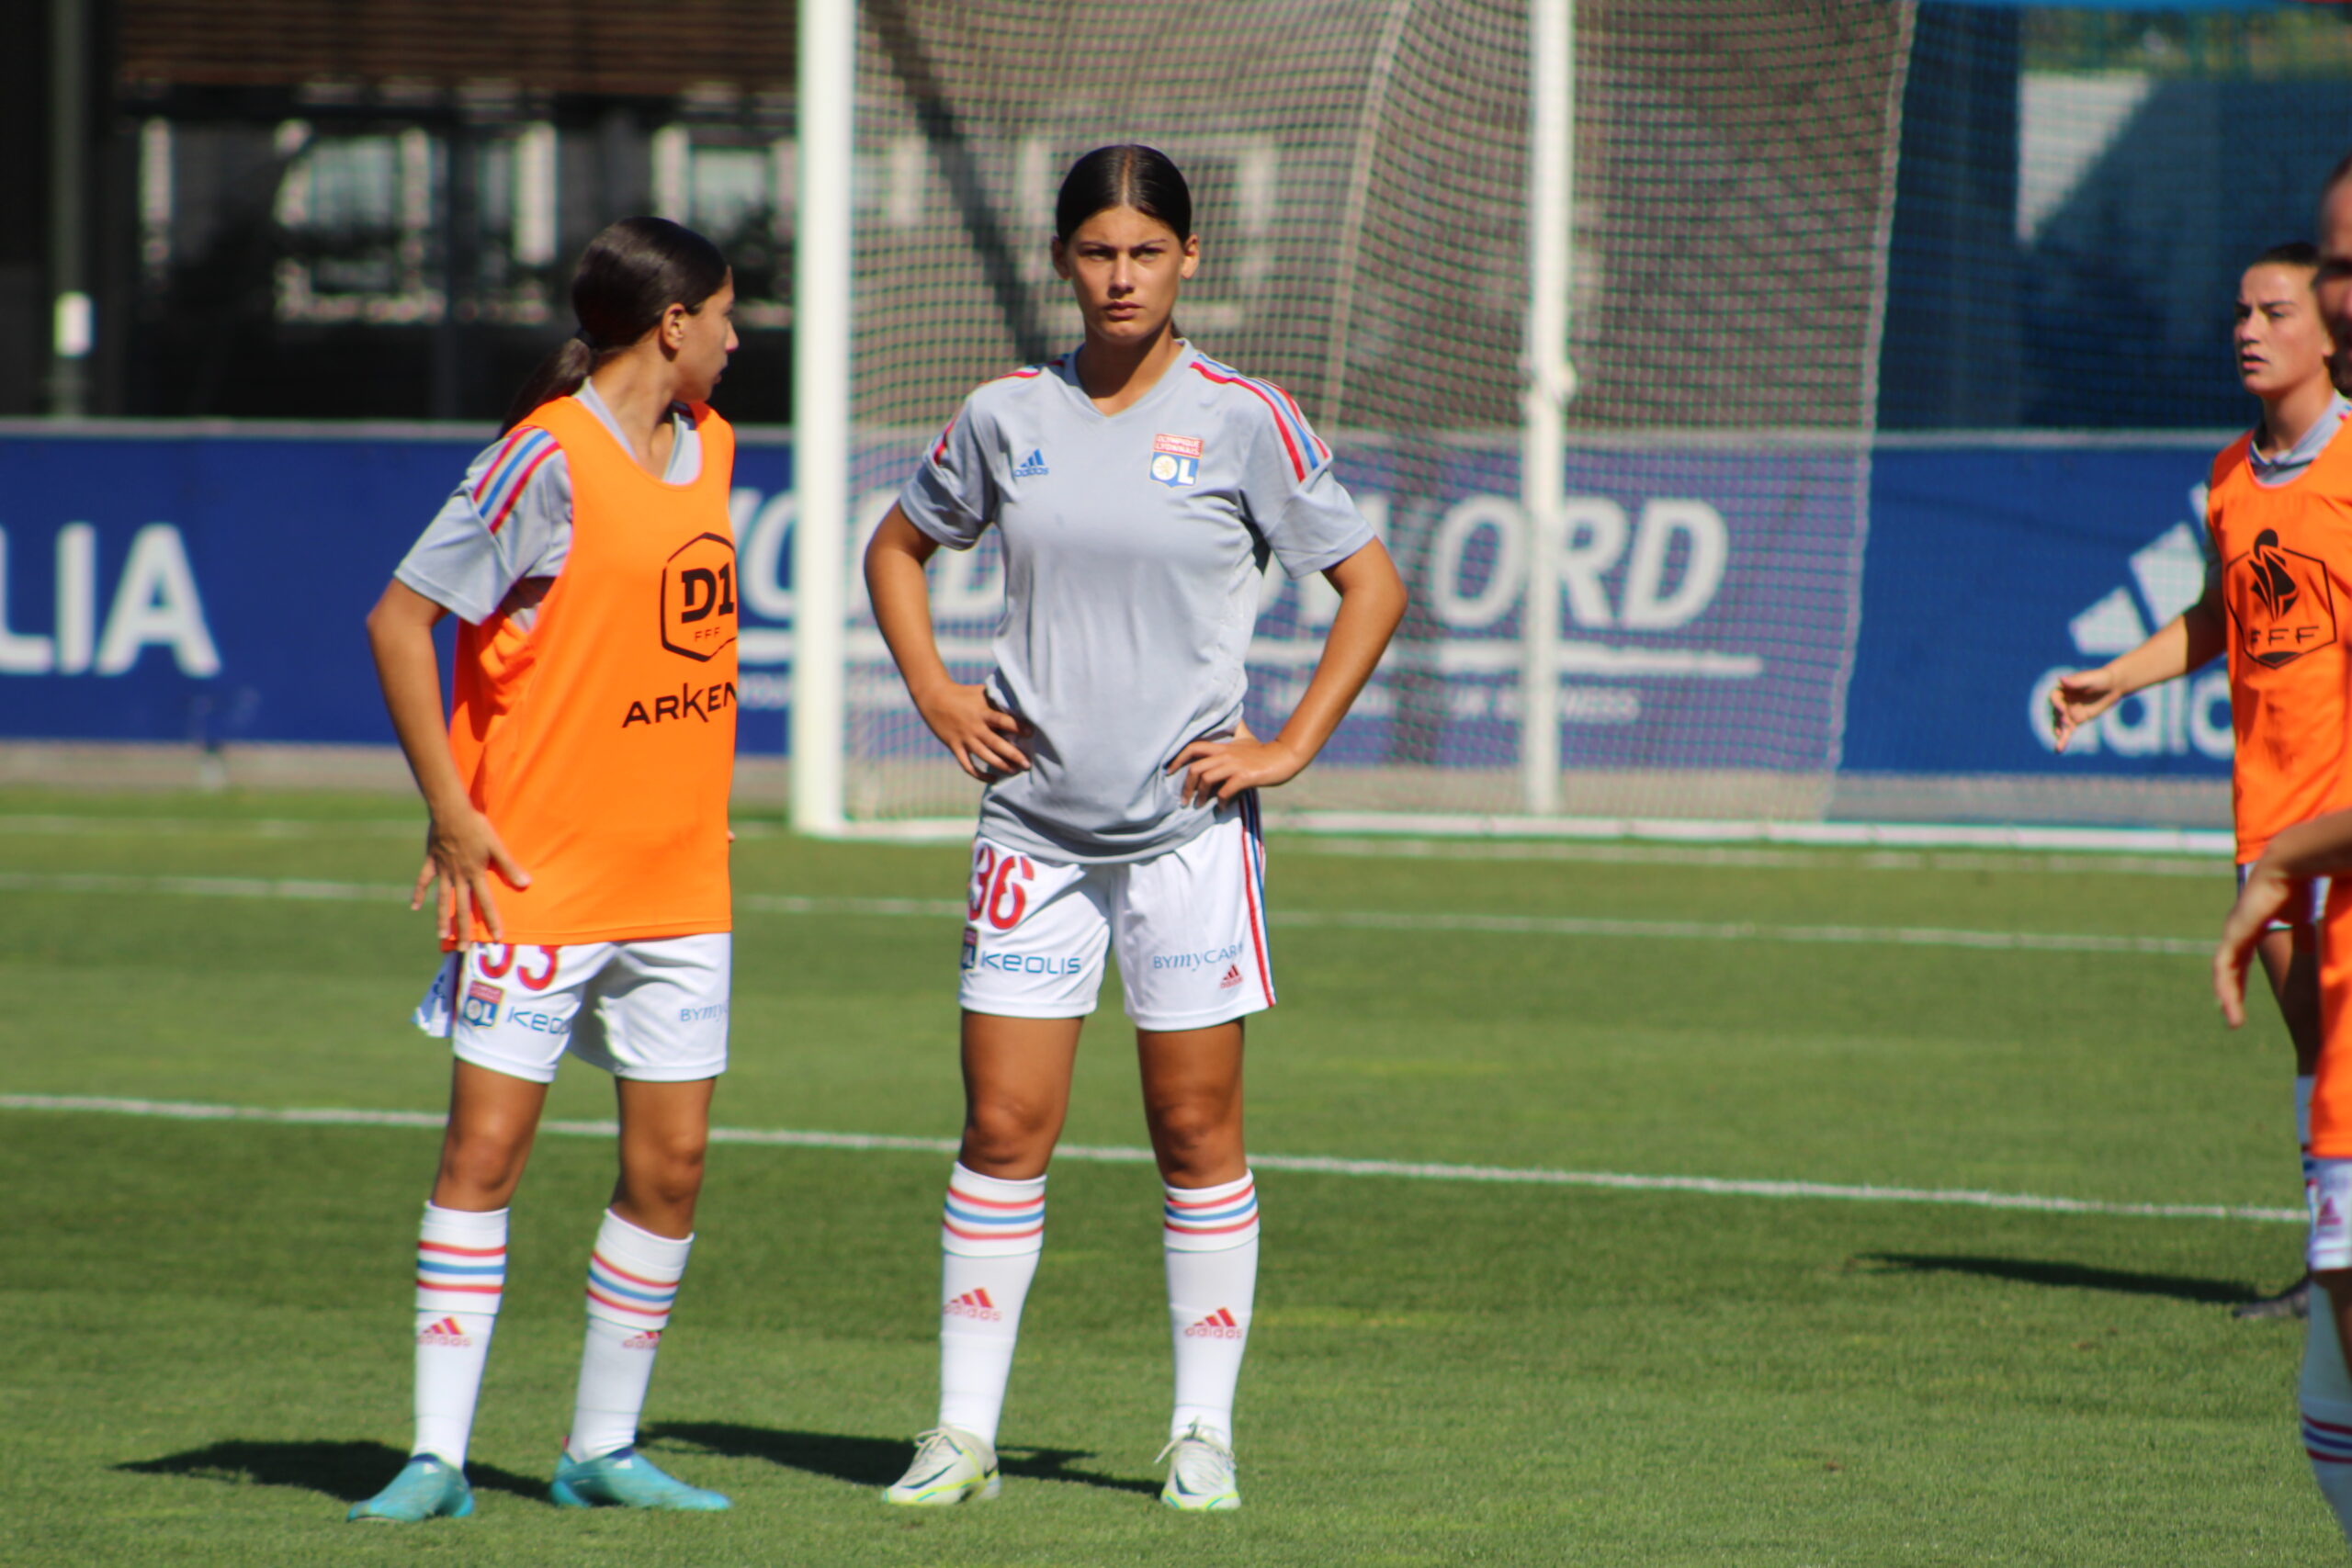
(1319, 1165)
(1748, 858)
(53, 825)
(2166, 852)
(1346, 920)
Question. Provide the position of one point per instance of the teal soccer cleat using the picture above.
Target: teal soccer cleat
(626, 1478)
(426, 1488)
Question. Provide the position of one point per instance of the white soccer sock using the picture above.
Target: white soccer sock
(632, 1280)
(460, 1276)
(1210, 1235)
(2325, 1393)
(2304, 1082)
(989, 1238)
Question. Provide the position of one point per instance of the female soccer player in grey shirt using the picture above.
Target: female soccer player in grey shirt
(1138, 487)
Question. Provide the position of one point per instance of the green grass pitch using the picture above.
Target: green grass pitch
(209, 1321)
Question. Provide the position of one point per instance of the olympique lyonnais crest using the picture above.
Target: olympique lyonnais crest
(699, 597)
(482, 1004)
(2280, 601)
(1176, 459)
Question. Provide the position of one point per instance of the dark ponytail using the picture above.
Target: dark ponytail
(1129, 174)
(631, 273)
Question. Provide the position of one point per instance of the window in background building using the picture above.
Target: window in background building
(732, 181)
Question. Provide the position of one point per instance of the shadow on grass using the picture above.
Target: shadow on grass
(347, 1472)
(875, 1462)
(2069, 1276)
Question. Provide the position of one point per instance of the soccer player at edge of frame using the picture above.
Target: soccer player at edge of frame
(2278, 524)
(1138, 487)
(2317, 847)
(580, 838)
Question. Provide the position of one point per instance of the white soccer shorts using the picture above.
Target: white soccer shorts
(2328, 1191)
(651, 1010)
(1190, 927)
(2311, 914)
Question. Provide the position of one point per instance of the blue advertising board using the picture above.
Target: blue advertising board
(1770, 605)
(1992, 568)
(168, 585)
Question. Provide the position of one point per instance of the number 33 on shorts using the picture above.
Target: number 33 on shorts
(653, 1009)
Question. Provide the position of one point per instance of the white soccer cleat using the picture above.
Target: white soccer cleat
(1202, 1478)
(951, 1466)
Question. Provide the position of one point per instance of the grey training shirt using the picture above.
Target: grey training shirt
(1133, 544)
(510, 517)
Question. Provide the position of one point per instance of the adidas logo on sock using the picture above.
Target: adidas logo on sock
(1232, 978)
(975, 1304)
(649, 1340)
(444, 1334)
(1218, 1325)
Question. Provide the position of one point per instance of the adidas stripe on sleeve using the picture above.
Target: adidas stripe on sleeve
(510, 519)
(1288, 490)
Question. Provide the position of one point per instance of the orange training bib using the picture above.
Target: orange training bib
(601, 742)
(2285, 557)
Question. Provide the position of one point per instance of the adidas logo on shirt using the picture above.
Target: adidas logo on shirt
(975, 1304)
(445, 1334)
(1031, 466)
(1218, 1325)
(1232, 978)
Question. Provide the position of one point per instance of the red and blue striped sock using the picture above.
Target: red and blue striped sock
(460, 1278)
(1211, 1240)
(632, 1283)
(990, 1236)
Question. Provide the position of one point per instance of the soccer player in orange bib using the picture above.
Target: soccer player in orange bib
(2322, 847)
(578, 796)
(2279, 511)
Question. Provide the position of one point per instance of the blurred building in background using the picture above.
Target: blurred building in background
(342, 209)
(349, 209)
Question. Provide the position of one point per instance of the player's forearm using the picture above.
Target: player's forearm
(2320, 847)
(409, 670)
(2188, 642)
(2162, 658)
(1372, 604)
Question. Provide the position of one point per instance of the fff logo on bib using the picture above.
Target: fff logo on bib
(1176, 460)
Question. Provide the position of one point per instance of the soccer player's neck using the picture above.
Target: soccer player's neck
(639, 394)
(2291, 416)
(1117, 375)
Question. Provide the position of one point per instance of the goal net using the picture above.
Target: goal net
(1361, 180)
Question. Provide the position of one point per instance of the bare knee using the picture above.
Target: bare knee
(480, 1168)
(1008, 1134)
(664, 1172)
(1198, 1141)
